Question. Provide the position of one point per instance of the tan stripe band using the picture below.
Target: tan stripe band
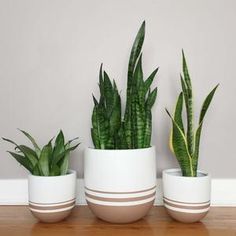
(119, 199)
(186, 207)
(98, 191)
(42, 204)
(190, 203)
(52, 207)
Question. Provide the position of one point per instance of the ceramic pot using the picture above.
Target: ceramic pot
(120, 185)
(52, 198)
(186, 199)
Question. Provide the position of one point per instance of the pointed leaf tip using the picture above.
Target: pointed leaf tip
(168, 113)
(95, 100)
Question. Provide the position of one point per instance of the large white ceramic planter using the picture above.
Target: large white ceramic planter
(52, 198)
(120, 185)
(186, 199)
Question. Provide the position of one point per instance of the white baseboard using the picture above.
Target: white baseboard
(15, 192)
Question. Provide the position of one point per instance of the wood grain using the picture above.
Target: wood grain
(18, 221)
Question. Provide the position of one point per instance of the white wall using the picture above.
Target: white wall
(50, 52)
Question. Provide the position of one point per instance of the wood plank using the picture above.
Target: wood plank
(18, 221)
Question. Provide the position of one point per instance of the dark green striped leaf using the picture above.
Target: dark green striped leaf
(204, 109)
(178, 112)
(189, 106)
(147, 128)
(180, 148)
(149, 80)
(207, 103)
(151, 98)
(186, 73)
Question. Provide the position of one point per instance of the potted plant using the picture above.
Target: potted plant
(120, 172)
(51, 186)
(187, 190)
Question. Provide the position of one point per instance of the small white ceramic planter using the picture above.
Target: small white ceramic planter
(120, 185)
(186, 199)
(52, 198)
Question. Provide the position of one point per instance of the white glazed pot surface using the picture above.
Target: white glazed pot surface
(51, 198)
(186, 199)
(120, 185)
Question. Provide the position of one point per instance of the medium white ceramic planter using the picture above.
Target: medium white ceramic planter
(120, 185)
(186, 199)
(52, 198)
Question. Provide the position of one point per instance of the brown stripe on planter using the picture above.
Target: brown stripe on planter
(187, 207)
(64, 202)
(52, 207)
(120, 214)
(186, 217)
(165, 198)
(98, 191)
(51, 217)
(120, 199)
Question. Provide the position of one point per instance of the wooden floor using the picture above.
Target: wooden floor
(17, 220)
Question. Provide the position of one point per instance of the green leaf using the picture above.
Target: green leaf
(189, 105)
(186, 73)
(36, 170)
(204, 109)
(29, 154)
(138, 86)
(185, 91)
(58, 148)
(65, 165)
(72, 148)
(100, 125)
(149, 80)
(138, 74)
(72, 140)
(178, 112)
(95, 138)
(37, 149)
(65, 162)
(151, 98)
(134, 100)
(95, 101)
(147, 128)
(101, 85)
(177, 118)
(140, 126)
(115, 117)
(180, 147)
(135, 51)
(55, 171)
(128, 128)
(58, 158)
(23, 161)
(120, 142)
(9, 141)
(44, 159)
(108, 92)
(207, 103)
(60, 140)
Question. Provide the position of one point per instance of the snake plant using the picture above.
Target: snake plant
(184, 142)
(109, 129)
(51, 160)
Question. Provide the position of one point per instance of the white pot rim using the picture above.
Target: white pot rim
(70, 172)
(120, 150)
(174, 170)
